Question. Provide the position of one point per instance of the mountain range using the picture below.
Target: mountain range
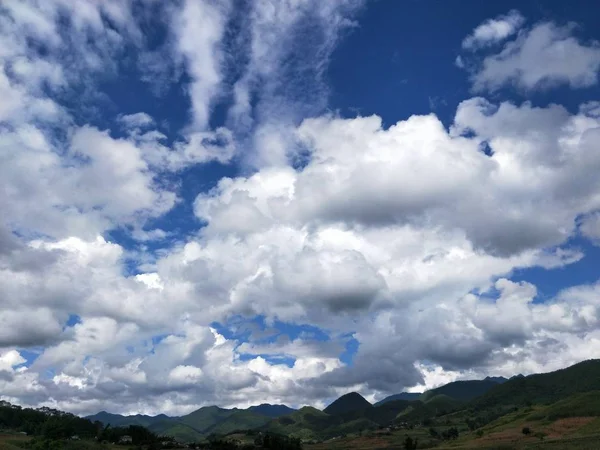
(200, 423)
(350, 412)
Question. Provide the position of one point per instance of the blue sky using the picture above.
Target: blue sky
(242, 202)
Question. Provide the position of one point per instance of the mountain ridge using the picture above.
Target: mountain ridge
(479, 401)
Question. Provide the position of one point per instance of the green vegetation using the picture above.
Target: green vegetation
(196, 426)
(579, 405)
(462, 390)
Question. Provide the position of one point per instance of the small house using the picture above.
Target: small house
(125, 440)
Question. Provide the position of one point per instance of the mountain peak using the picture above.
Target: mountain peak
(352, 401)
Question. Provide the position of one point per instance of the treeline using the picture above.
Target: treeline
(267, 440)
(48, 424)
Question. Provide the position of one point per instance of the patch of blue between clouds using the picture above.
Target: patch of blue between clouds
(30, 355)
(180, 222)
(256, 330)
(550, 282)
(347, 356)
(153, 342)
(73, 320)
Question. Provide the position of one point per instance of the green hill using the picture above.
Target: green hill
(306, 423)
(410, 396)
(444, 403)
(462, 390)
(206, 417)
(239, 420)
(348, 403)
(543, 388)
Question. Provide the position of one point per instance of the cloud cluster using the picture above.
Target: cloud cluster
(403, 238)
(493, 31)
(542, 56)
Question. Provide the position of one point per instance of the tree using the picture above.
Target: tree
(410, 444)
(450, 433)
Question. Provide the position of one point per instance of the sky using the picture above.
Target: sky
(235, 202)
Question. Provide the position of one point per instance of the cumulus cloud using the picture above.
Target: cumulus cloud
(401, 237)
(493, 31)
(429, 174)
(542, 56)
(137, 120)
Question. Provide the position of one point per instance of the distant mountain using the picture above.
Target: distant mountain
(199, 423)
(454, 390)
(271, 410)
(117, 420)
(410, 396)
(348, 403)
(498, 380)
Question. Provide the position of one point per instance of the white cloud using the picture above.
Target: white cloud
(427, 175)
(137, 120)
(590, 227)
(286, 43)
(199, 27)
(493, 31)
(407, 260)
(541, 57)
(88, 184)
